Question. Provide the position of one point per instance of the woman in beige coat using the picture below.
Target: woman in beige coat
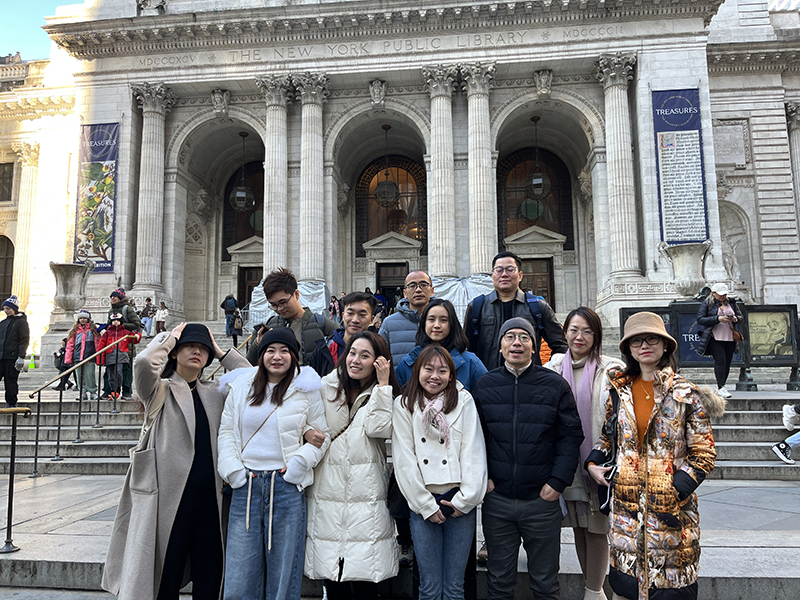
(585, 369)
(168, 531)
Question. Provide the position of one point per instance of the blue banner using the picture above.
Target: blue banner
(679, 166)
(97, 195)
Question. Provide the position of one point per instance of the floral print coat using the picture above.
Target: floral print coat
(655, 526)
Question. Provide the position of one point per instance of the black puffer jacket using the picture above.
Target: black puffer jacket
(15, 334)
(708, 318)
(532, 430)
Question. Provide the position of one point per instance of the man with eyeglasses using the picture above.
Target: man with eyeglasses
(533, 435)
(400, 329)
(280, 288)
(507, 301)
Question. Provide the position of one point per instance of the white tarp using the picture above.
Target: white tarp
(461, 291)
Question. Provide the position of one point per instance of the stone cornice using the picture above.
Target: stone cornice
(17, 106)
(765, 57)
(350, 20)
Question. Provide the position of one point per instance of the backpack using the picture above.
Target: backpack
(237, 323)
(533, 305)
(230, 304)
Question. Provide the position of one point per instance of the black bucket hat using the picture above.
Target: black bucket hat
(195, 333)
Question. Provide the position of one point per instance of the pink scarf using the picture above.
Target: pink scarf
(433, 417)
(583, 398)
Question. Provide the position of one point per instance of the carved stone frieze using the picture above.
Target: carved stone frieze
(440, 80)
(25, 106)
(153, 97)
(615, 69)
(377, 93)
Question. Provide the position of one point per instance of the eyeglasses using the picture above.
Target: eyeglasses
(651, 340)
(423, 285)
(499, 270)
(522, 337)
(584, 332)
(280, 303)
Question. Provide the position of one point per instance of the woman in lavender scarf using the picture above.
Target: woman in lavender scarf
(585, 370)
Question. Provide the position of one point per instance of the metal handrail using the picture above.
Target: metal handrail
(80, 364)
(239, 347)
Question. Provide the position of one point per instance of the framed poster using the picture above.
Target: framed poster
(771, 331)
(688, 332)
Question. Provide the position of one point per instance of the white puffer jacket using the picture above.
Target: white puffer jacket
(348, 517)
(301, 410)
(423, 459)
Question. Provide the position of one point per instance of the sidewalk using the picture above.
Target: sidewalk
(62, 524)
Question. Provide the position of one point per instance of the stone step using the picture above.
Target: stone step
(759, 403)
(749, 433)
(88, 418)
(88, 432)
(745, 451)
(70, 404)
(97, 449)
(755, 470)
(749, 417)
(69, 466)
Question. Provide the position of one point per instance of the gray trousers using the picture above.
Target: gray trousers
(538, 523)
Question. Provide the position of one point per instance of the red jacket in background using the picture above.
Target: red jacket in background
(110, 335)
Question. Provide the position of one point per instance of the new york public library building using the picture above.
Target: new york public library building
(627, 150)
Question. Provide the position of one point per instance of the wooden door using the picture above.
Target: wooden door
(538, 278)
(249, 278)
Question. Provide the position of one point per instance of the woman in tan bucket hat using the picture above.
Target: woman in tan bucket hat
(664, 450)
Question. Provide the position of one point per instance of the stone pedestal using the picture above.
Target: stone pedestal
(70, 297)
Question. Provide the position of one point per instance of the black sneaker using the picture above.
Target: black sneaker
(783, 451)
(406, 556)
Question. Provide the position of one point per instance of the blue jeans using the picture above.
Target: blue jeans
(442, 551)
(229, 324)
(794, 440)
(148, 323)
(251, 571)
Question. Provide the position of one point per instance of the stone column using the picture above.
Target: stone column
(276, 171)
(154, 100)
(28, 156)
(793, 121)
(439, 82)
(312, 90)
(482, 206)
(614, 72)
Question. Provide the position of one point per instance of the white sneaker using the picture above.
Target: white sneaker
(723, 392)
(790, 416)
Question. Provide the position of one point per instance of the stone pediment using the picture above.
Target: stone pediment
(254, 244)
(394, 242)
(535, 235)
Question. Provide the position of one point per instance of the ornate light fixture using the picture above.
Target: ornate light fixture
(242, 198)
(387, 193)
(537, 186)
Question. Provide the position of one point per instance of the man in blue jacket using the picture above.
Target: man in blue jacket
(533, 435)
(358, 309)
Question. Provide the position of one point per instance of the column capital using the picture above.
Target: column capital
(312, 88)
(793, 115)
(276, 89)
(27, 154)
(477, 78)
(614, 69)
(153, 97)
(440, 79)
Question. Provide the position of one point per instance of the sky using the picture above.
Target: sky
(20, 28)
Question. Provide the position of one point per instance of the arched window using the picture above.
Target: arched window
(518, 209)
(6, 266)
(239, 226)
(408, 217)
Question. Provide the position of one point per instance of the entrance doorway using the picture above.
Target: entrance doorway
(391, 276)
(6, 266)
(537, 276)
(249, 278)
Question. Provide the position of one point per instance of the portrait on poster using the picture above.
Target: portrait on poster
(771, 334)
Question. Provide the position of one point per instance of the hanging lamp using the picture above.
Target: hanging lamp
(387, 193)
(537, 186)
(242, 198)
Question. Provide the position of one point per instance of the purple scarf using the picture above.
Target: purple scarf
(583, 398)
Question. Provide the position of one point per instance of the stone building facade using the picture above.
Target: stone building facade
(460, 86)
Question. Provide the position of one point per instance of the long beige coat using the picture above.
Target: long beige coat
(150, 498)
